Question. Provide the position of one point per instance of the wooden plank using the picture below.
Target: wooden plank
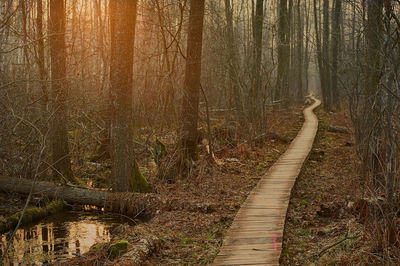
(247, 247)
(255, 236)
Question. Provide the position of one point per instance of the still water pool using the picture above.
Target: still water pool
(60, 237)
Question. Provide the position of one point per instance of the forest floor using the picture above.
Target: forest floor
(322, 211)
(318, 215)
(193, 237)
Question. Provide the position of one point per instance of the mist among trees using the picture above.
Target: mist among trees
(156, 93)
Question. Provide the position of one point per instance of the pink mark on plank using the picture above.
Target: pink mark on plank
(275, 241)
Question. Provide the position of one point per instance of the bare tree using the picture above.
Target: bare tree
(59, 91)
(232, 57)
(254, 103)
(123, 20)
(40, 54)
(325, 56)
(372, 131)
(283, 52)
(335, 51)
(299, 51)
(190, 104)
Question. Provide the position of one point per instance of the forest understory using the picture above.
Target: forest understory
(192, 236)
(201, 208)
(167, 113)
(325, 224)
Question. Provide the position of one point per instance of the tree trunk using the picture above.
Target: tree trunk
(232, 57)
(325, 54)
(306, 49)
(254, 103)
(335, 51)
(25, 20)
(283, 52)
(319, 53)
(59, 135)
(373, 36)
(40, 51)
(190, 103)
(291, 40)
(300, 45)
(123, 20)
(105, 138)
(372, 123)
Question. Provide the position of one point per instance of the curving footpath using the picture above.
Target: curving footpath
(255, 237)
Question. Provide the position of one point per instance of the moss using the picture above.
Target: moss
(97, 247)
(32, 214)
(261, 167)
(56, 206)
(78, 181)
(117, 248)
(303, 202)
(138, 182)
(13, 219)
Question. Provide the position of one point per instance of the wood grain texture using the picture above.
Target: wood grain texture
(255, 236)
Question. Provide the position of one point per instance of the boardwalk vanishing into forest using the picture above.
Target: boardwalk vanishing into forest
(255, 236)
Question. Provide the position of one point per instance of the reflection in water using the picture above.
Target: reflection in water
(58, 237)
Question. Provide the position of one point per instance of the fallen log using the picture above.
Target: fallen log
(130, 204)
(127, 203)
(141, 251)
(70, 194)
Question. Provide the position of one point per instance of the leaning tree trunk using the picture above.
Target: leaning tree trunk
(59, 134)
(190, 103)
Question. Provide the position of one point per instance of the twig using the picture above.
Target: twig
(139, 213)
(210, 142)
(337, 243)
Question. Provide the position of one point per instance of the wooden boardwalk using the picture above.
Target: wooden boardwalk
(255, 237)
